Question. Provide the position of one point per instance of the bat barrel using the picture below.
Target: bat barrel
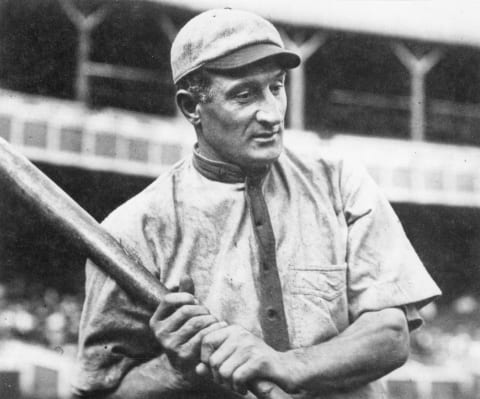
(79, 227)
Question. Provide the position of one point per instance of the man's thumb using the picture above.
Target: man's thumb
(186, 285)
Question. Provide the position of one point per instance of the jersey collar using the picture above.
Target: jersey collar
(224, 172)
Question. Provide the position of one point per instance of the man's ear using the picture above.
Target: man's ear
(188, 105)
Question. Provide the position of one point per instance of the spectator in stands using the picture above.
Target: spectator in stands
(39, 315)
(303, 258)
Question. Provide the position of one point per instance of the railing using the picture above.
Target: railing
(416, 172)
(66, 133)
(388, 116)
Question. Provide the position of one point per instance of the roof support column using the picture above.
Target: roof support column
(418, 68)
(168, 27)
(305, 48)
(85, 26)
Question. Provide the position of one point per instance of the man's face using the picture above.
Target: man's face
(243, 123)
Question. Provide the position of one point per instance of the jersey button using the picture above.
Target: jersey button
(272, 313)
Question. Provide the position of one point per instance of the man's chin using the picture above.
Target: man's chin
(261, 160)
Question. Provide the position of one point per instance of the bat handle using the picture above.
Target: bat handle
(263, 389)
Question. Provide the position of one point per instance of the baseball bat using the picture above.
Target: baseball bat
(78, 227)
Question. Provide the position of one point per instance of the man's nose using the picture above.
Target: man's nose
(270, 111)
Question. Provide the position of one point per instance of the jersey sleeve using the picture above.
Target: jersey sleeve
(383, 268)
(114, 333)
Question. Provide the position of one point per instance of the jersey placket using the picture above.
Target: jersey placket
(272, 312)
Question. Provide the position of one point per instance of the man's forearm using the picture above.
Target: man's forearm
(155, 379)
(375, 344)
(146, 381)
(372, 346)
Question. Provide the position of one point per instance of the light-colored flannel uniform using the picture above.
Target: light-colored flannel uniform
(341, 251)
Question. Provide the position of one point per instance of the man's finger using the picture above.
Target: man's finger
(191, 328)
(241, 377)
(186, 284)
(196, 340)
(176, 320)
(222, 354)
(172, 301)
(211, 342)
(203, 369)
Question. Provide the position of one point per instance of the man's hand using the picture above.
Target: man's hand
(236, 357)
(180, 323)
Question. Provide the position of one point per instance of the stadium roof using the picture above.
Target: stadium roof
(444, 21)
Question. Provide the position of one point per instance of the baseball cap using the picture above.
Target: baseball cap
(223, 39)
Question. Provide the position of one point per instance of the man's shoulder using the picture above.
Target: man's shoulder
(152, 199)
(313, 157)
(324, 166)
(315, 160)
(308, 152)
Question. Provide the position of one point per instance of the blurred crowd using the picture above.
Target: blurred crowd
(38, 314)
(451, 334)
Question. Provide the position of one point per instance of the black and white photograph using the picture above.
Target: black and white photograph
(225, 199)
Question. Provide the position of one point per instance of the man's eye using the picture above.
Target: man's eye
(277, 88)
(243, 95)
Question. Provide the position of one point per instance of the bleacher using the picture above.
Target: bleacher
(34, 372)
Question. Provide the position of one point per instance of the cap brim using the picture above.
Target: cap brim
(253, 53)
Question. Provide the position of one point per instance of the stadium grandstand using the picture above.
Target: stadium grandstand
(86, 94)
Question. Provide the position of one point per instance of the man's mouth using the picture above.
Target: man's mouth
(265, 138)
(266, 135)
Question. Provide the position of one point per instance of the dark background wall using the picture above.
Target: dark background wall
(33, 250)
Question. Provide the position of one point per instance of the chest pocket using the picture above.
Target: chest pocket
(325, 282)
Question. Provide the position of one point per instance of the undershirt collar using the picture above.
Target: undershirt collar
(224, 172)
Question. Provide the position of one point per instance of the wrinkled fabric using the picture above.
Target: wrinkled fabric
(341, 251)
